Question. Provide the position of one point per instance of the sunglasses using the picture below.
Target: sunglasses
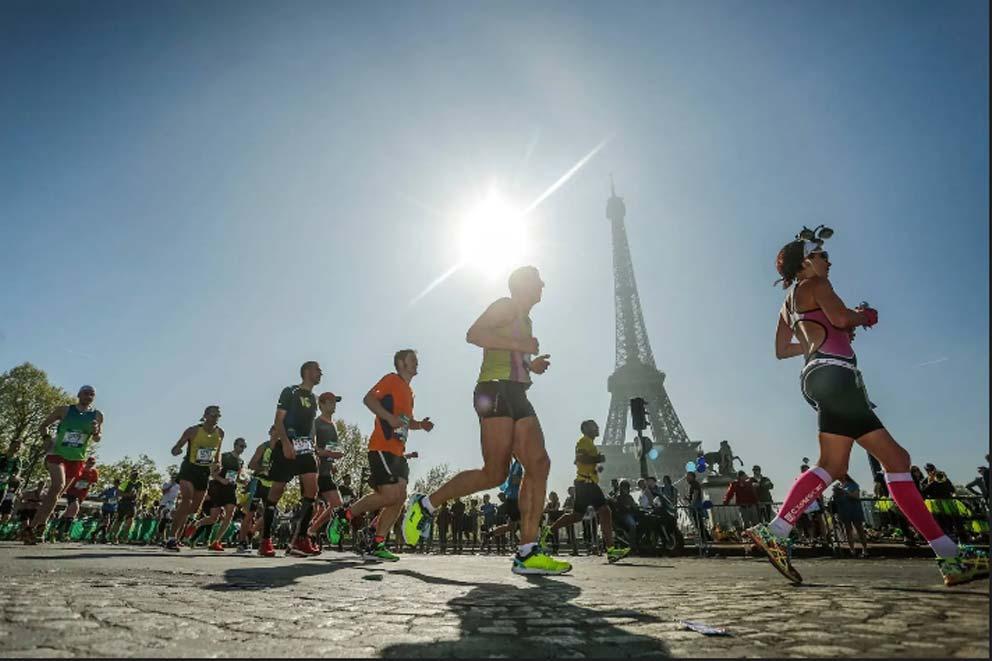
(821, 253)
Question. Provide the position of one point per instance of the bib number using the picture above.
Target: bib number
(81, 484)
(231, 476)
(303, 445)
(73, 439)
(111, 501)
(204, 455)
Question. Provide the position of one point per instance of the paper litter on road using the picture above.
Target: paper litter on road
(704, 629)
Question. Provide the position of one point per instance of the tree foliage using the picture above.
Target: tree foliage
(148, 473)
(355, 462)
(435, 477)
(26, 398)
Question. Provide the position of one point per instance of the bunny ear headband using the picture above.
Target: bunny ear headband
(813, 238)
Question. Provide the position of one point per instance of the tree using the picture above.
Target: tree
(355, 461)
(26, 399)
(148, 473)
(435, 477)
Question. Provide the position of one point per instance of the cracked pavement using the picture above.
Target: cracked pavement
(83, 600)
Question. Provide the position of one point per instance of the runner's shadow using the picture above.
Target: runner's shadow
(529, 622)
(268, 577)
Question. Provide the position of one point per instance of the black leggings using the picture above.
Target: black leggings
(838, 394)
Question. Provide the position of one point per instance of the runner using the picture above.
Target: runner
(391, 401)
(75, 495)
(79, 424)
(167, 506)
(223, 493)
(7, 504)
(292, 456)
(202, 444)
(257, 490)
(10, 467)
(831, 383)
(29, 501)
(509, 425)
(108, 511)
(129, 497)
(328, 449)
(588, 492)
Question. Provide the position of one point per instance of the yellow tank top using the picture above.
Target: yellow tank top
(500, 365)
(202, 450)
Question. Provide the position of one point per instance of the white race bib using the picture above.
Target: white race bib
(303, 445)
(73, 439)
(81, 484)
(231, 476)
(205, 455)
(111, 501)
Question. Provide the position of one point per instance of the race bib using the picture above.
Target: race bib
(205, 455)
(231, 476)
(111, 501)
(73, 439)
(81, 484)
(303, 445)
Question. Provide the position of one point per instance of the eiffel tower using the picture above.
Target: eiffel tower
(636, 374)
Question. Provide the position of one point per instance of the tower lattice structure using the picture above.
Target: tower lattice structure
(636, 374)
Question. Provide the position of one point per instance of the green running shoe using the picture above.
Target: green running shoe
(614, 554)
(968, 565)
(380, 552)
(539, 563)
(336, 528)
(777, 550)
(417, 521)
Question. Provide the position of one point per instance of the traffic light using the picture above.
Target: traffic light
(638, 414)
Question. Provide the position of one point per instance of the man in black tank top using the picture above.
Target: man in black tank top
(327, 452)
(293, 454)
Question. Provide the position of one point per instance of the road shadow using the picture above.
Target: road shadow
(275, 576)
(538, 621)
(956, 591)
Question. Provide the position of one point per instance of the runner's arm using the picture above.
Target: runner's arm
(784, 346)
(255, 462)
(53, 417)
(281, 436)
(373, 404)
(97, 426)
(837, 313)
(483, 334)
(186, 437)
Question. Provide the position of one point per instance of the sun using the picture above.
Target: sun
(493, 237)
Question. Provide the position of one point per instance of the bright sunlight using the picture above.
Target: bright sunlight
(493, 237)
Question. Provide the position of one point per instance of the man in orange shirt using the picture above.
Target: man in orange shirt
(391, 401)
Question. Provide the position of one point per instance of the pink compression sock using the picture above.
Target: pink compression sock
(805, 490)
(907, 497)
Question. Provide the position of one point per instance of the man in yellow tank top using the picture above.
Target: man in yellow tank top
(510, 427)
(202, 443)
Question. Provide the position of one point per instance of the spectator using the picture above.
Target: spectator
(472, 523)
(553, 511)
(644, 499)
(847, 505)
(443, 523)
(981, 482)
(569, 506)
(744, 495)
(697, 512)
(488, 511)
(626, 510)
(763, 488)
(937, 486)
(918, 477)
(457, 524)
(669, 493)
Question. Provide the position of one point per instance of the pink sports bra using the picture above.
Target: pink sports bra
(836, 343)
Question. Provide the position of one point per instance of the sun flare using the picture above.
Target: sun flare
(493, 237)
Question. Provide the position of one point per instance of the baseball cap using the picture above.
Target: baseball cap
(327, 396)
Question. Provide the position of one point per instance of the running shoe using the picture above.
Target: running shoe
(266, 549)
(968, 565)
(28, 536)
(243, 547)
(539, 563)
(216, 546)
(417, 521)
(777, 549)
(299, 548)
(172, 545)
(380, 552)
(337, 526)
(614, 554)
(310, 547)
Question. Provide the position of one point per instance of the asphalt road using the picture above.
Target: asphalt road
(82, 600)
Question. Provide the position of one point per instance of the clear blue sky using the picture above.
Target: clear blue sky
(197, 197)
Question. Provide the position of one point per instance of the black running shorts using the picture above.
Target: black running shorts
(838, 394)
(502, 399)
(512, 510)
(261, 497)
(198, 476)
(387, 468)
(222, 495)
(326, 483)
(284, 470)
(588, 495)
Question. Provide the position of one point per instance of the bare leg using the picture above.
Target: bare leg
(528, 448)
(57, 486)
(384, 496)
(606, 523)
(333, 500)
(190, 500)
(497, 442)
(225, 522)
